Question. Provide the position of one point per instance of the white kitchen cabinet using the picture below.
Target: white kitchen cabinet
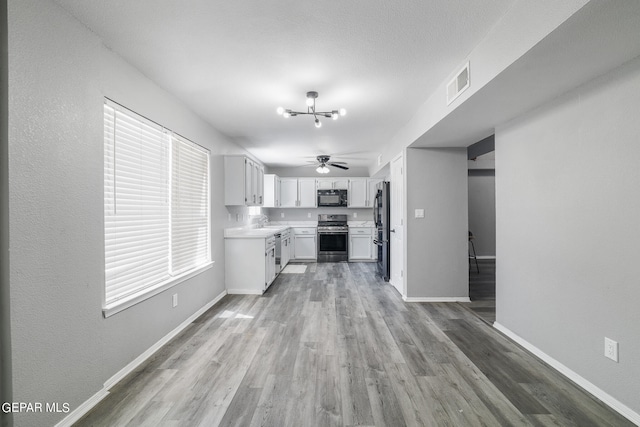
(332, 183)
(298, 193)
(304, 243)
(362, 192)
(243, 181)
(307, 194)
(289, 192)
(270, 266)
(271, 191)
(361, 244)
(357, 194)
(250, 264)
(285, 249)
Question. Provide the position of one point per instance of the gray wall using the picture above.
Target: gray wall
(567, 230)
(436, 246)
(63, 350)
(482, 210)
(5, 319)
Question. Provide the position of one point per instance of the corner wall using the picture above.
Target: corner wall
(63, 350)
(5, 294)
(567, 230)
(436, 247)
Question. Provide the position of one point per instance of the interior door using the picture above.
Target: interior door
(397, 225)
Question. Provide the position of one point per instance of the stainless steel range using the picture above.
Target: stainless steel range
(333, 238)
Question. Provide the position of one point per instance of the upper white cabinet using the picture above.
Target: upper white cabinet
(271, 191)
(243, 182)
(298, 193)
(332, 183)
(362, 192)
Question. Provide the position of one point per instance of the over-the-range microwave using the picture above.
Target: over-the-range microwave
(332, 198)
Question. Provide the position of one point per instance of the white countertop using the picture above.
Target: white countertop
(253, 232)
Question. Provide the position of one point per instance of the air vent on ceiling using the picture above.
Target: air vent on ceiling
(458, 84)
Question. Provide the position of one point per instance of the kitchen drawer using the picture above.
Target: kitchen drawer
(360, 231)
(304, 230)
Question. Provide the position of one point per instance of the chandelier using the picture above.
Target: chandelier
(311, 110)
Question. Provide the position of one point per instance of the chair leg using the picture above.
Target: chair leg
(475, 258)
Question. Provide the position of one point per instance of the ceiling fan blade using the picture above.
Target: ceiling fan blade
(338, 166)
(339, 163)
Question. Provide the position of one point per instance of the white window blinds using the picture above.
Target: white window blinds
(156, 205)
(189, 206)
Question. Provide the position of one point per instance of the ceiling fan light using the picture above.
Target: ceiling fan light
(280, 110)
(318, 123)
(335, 115)
(322, 169)
(343, 112)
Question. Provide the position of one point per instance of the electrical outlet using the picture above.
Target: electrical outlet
(355, 214)
(281, 214)
(611, 349)
(229, 217)
(309, 215)
(174, 300)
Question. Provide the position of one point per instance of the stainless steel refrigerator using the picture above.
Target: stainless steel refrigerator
(382, 216)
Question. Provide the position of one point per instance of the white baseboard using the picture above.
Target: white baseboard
(243, 292)
(436, 299)
(85, 407)
(596, 391)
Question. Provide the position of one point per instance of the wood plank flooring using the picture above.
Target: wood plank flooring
(336, 346)
(482, 289)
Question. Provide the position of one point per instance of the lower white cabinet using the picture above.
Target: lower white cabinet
(250, 264)
(304, 243)
(285, 248)
(361, 246)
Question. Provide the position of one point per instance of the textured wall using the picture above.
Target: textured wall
(436, 254)
(567, 230)
(63, 349)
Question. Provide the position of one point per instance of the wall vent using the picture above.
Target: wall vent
(458, 84)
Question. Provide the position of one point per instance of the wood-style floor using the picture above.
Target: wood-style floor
(336, 346)
(482, 289)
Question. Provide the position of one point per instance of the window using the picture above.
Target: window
(156, 189)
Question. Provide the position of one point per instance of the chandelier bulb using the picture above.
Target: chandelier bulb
(286, 114)
(318, 123)
(343, 112)
(280, 110)
(334, 115)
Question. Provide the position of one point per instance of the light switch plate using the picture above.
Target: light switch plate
(419, 213)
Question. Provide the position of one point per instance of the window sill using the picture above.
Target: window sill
(120, 305)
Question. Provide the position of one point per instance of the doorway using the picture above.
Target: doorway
(397, 225)
(482, 230)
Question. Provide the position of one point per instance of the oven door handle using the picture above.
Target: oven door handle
(333, 232)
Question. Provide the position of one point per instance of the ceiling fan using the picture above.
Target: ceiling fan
(325, 161)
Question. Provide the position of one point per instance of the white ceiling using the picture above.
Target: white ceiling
(235, 62)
